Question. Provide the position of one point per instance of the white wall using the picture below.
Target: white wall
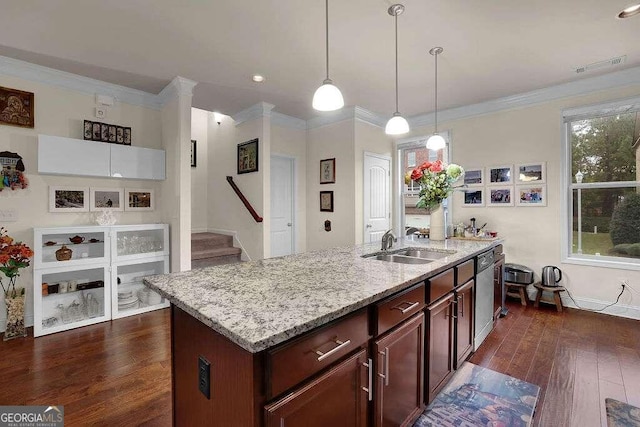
(199, 174)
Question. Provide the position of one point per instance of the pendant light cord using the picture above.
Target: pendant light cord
(396, 21)
(327, 34)
(436, 55)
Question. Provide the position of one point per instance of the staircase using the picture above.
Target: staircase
(209, 249)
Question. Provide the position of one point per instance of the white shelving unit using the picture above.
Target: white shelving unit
(103, 278)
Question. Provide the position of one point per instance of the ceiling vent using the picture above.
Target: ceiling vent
(618, 60)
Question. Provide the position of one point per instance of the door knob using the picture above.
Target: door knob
(288, 224)
(368, 225)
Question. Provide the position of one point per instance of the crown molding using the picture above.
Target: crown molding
(259, 110)
(366, 116)
(39, 74)
(179, 86)
(283, 120)
(347, 113)
(630, 76)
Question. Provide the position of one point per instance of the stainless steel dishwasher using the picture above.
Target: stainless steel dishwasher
(484, 298)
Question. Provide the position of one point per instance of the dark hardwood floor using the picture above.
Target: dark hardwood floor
(119, 372)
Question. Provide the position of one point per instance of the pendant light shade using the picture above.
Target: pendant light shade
(327, 96)
(397, 125)
(436, 141)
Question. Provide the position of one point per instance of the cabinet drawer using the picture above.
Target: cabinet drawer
(396, 309)
(293, 362)
(465, 272)
(439, 285)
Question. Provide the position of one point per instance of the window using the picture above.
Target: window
(604, 184)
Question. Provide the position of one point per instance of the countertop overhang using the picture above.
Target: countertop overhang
(260, 304)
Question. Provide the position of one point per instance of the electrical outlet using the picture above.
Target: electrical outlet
(204, 376)
(101, 112)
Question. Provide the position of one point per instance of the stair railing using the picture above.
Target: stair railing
(244, 200)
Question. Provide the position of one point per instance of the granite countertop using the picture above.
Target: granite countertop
(260, 304)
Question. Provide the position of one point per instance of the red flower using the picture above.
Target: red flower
(436, 166)
(425, 165)
(416, 174)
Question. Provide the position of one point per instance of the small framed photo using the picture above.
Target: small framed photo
(112, 134)
(530, 173)
(119, 135)
(194, 153)
(16, 107)
(500, 196)
(473, 197)
(500, 175)
(474, 177)
(104, 132)
(326, 201)
(137, 199)
(97, 131)
(68, 199)
(532, 195)
(106, 199)
(127, 136)
(328, 171)
(248, 156)
(88, 130)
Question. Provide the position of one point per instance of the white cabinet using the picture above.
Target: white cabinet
(102, 277)
(67, 156)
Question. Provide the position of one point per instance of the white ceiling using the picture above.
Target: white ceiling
(491, 48)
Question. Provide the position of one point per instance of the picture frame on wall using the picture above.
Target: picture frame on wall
(248, 156)
(127, 136)
(16, 108)
(112, 134)
(194, 153)
(530, 173)
(473, 197)
(500, 175)
(104, 132)
(500, 196)
(138, 199)
(474, 177)
(326, 201)
(328, 171)
(68, 199)
(97, 131)
(119, 135)
(88, 130)
(531, 195)
(106, 199)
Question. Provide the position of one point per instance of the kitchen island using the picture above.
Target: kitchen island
(250, 341)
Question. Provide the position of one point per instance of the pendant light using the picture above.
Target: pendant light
(327, 96)
(435, 141)
(397, 125)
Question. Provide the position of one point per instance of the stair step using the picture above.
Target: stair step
(215, 252)
(220, 260)
(203, 241)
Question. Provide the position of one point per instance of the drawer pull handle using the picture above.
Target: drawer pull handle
(385, 366)
(411, 306)
(341, 345)
(369, 387)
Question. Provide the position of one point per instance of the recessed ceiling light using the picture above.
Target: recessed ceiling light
(257, 78)
(629, 11)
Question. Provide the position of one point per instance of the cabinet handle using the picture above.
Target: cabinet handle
(461, 297)
(411, 306)
(385, 366)
(369, 387)
(340, 346)
(448, 313)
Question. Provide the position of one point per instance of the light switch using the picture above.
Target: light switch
(101, 112)
(8, 215)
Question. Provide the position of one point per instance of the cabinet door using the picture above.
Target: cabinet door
(137, 162)
(67, 156)
(440, 347)
(337, 398)
(464, 321)
(399, 374)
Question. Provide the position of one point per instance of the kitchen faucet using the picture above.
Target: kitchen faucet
(387, 240)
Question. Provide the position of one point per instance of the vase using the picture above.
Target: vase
(436, 224)
(15, 328)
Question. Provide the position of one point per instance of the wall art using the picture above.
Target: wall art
(106, 199)
(473, 197)
(532, 195)
(12, 171)
(68, 199)
(474, 177)
(328, 171)
(139, 199)
(326, 201)
(530, 173)
(500, 175)
(16, 107)
(248, 156)
(500, 196)
(194, 153)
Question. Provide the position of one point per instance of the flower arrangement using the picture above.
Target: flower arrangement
(436, 182)
(13, 257)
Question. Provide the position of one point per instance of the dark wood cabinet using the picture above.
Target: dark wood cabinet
(440, 345)
(336, 398)
(399, 361)
(464, 321)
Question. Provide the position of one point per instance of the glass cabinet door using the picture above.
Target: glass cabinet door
(136, 242)
(130, 295)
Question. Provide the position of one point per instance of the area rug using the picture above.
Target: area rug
(477, 396)
(620, 414)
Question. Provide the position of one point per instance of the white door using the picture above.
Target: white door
(377, 199)
(281, 206)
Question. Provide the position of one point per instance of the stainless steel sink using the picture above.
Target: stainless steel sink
(402, 259)
(426, 254)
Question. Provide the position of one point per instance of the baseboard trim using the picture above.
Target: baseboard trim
(199, 230)
(590, 304)
(244, 256)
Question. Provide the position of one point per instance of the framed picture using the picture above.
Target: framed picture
(531, 173)
(328, 171)
(97, 131)
(68, 199)
(194, 153)
(16, 108)
(473, 197)
(532, 195)
(500, 175)
(127, 136)
(119, 135)
(137, 199)
(112, 133)
(474, 177)
(248, 156)
(88, 130)
(106, 199)
(104, 132)
(500, 196)
(326, 201)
